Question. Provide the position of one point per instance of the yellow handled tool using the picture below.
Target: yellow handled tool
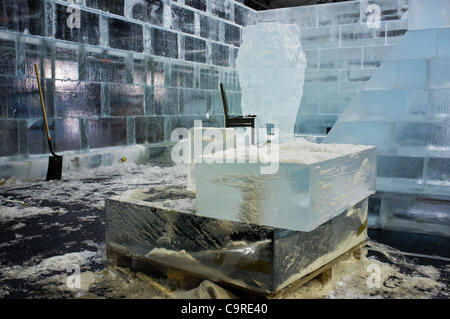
(55, 161)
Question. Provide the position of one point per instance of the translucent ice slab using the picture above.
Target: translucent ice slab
(158, 226)
(313, 183)
(201, 134)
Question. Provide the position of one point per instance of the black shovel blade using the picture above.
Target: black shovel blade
(54, 167)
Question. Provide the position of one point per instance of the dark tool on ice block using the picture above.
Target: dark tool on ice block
(55, 161)
(237, 120)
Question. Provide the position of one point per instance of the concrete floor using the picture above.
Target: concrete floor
(47, 226)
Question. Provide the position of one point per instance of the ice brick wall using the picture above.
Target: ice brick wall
(404, 110)
(114, 72)
(343, 51)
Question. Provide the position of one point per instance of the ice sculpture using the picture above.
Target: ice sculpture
(271, 67)
(313, 184)
(404, 110)
(343, 51)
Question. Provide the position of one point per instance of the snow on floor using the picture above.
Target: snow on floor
(44, 226)
(400, 277)
(47, 227)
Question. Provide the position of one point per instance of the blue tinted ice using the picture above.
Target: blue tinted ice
(404, 111)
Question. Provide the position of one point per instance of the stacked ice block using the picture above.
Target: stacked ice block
(209, 138)
(404, 111)
(159, 225)
(313, 184)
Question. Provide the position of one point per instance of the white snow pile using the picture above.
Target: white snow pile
(296, 151)
(49, 265)
(74, 188)
(11, 213)
(372, 278)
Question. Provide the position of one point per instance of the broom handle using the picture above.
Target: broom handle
(47, 131)
(36, 68)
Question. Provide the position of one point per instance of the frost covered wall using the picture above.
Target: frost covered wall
(344, 46)
(114, 72)
(404, 110)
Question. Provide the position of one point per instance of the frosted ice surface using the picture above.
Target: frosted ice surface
(395, 110)
(404, 111)
(314, 183)
(429, 14)
(271, 67)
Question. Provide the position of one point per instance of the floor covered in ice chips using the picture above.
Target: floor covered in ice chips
(47, 226)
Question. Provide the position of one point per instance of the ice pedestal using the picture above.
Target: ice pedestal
(313, 184)
(160, 224)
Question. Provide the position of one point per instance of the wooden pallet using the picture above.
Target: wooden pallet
(324, 273)
(121, 257)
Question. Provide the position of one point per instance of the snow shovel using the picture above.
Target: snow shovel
(55, 161)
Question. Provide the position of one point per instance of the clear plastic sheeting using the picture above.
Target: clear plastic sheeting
(265, 259)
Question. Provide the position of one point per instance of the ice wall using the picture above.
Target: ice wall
(343, 50)
(271, 68)
(114, 72)
(404, 110)
(429, 14)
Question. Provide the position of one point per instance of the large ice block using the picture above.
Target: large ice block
(160, 225)
(313, 184)
(411, 212)
(271, 67)
(198, 134)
